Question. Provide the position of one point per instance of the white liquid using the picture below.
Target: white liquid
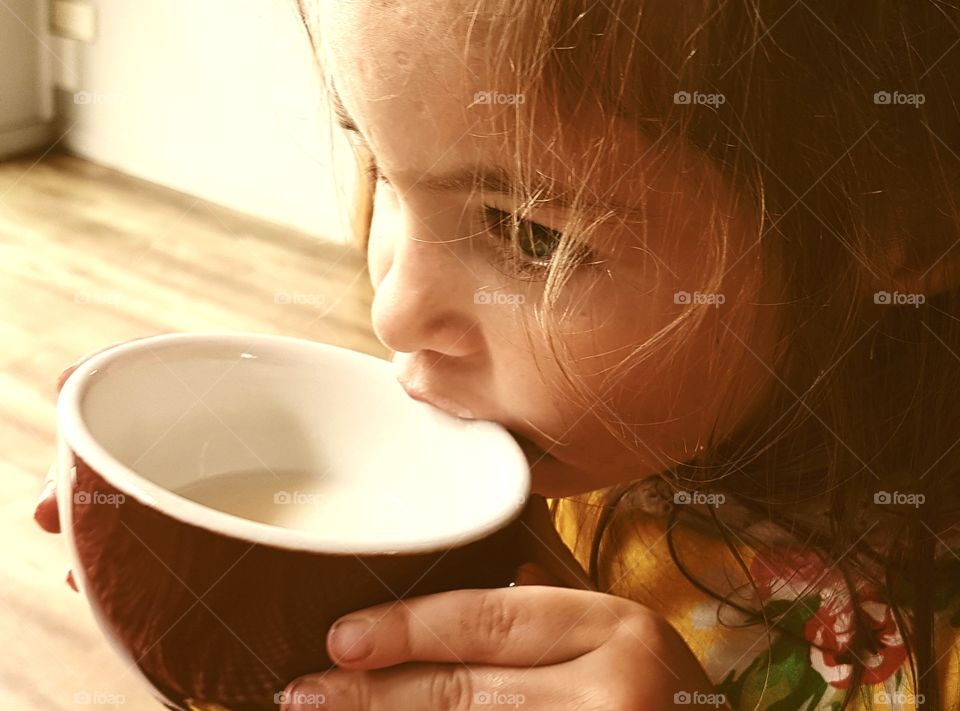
(309, 501)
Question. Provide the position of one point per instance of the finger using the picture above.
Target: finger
(62, 378)
(45, 513)
(430, 686)
(511, 626)
(541, 544)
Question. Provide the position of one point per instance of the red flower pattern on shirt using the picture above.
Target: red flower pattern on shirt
(792, 572)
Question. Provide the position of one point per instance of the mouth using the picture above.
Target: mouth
(533, 452)
(448, 406)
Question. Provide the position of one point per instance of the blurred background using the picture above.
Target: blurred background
(165, 165)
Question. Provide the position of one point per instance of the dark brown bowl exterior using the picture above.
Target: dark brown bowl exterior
(210, 619)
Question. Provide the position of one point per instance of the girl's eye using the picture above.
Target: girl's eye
(529, 247)
(534, 240)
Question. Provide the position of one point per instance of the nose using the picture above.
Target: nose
(424, 300)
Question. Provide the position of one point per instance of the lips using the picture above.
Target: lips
(531, 450)
(445, 404)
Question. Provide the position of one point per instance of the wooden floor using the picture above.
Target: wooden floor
(91, 257)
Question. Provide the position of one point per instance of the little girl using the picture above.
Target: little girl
(703, 260)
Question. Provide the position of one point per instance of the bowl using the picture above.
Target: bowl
(227, 496)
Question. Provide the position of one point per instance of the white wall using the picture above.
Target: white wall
(26, 108)
(216, 98)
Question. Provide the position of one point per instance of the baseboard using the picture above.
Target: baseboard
(25, 139)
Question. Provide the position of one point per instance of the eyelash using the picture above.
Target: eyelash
(505, 225)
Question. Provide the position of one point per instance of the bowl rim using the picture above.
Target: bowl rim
(76, 437)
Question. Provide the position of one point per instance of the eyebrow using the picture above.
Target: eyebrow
(493, 180)
(490, 180)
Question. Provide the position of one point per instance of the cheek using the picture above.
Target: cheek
(642, 401)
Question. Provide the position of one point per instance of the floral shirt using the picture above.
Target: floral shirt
(804, 666)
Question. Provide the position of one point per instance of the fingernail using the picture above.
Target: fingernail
(302, 694)
(349, 641)
(71, 582)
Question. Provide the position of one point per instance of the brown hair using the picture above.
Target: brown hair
(838, 130)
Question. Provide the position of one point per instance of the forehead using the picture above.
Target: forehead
(416, 79)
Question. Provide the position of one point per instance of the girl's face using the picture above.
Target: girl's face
(458, 313)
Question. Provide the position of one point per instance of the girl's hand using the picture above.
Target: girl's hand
(46, 512)
(530, 647)
(534, 646)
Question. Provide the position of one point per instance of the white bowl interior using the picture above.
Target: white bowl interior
(345, 460)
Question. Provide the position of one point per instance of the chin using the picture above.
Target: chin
(551, 477)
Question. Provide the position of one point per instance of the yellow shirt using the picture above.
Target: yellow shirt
(751, 668)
